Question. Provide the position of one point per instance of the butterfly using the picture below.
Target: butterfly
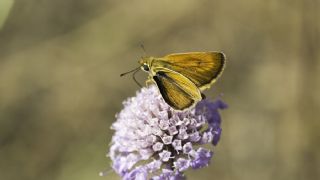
(181, 77)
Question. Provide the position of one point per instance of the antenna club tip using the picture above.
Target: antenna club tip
(134, 70)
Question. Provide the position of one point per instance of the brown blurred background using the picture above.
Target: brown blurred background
(60, 88)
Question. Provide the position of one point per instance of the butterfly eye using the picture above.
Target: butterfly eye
(146, 67)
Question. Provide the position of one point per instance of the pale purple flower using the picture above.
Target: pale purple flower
(153, 141)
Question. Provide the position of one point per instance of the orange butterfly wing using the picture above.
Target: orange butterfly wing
(202, 68)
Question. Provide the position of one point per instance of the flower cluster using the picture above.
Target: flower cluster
(153, 141)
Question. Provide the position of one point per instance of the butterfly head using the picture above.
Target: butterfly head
(145, 63)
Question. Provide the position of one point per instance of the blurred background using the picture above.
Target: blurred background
(60, 88)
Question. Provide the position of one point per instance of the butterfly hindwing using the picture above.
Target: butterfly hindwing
(178, 91)
(202, 68)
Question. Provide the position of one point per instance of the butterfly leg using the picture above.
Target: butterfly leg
(149, 81)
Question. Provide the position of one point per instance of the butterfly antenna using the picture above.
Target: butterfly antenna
(136, 69)
(143, 49)
(133, 75)
(134, 78)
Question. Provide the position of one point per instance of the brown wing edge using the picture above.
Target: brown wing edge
(221, 69)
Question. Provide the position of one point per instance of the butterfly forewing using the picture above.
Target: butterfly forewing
(178, 91)
(202, 68)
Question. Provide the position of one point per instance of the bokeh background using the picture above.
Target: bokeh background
(60, 88)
